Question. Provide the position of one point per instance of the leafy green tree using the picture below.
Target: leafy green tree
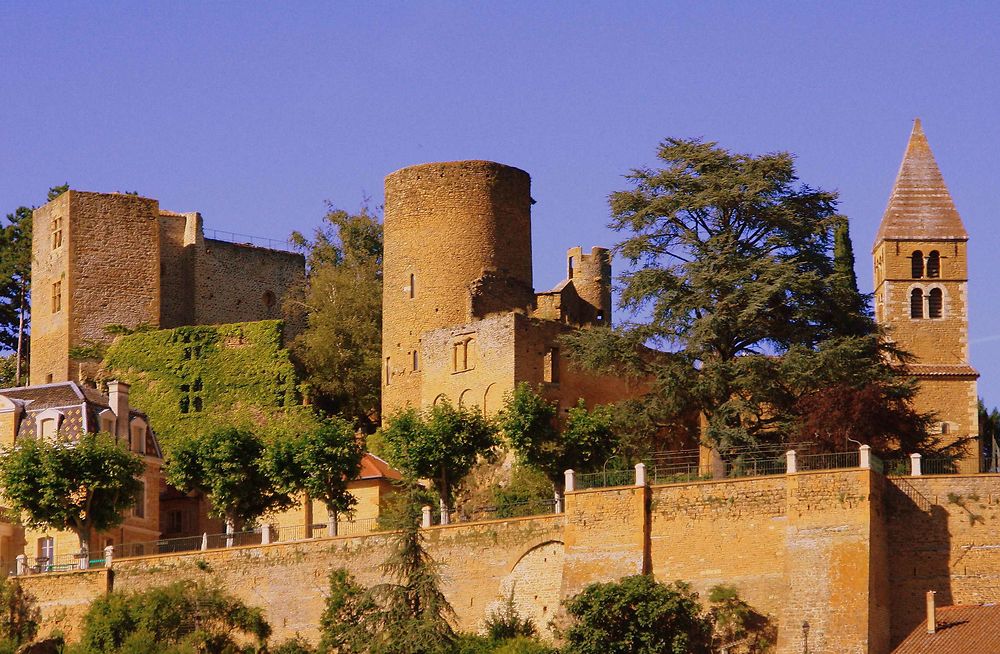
(82, 486)
(637, 615)
(584, 443)
(175, 619)
(989, 436)
(8, 372)
(319, 462)
(441, 443)
(341, 345)
(407, 615)
(229, 466)
(730, 265)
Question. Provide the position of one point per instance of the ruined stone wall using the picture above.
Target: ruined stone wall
(944, 535)
(242, 283)
(591, 276)
(446, 225)
(176, 270)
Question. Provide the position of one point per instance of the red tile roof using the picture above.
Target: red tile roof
(373, 467)
(960, 630)
(941, 370)
(920, 207)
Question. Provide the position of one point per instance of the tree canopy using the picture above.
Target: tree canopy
(583, 443)
(441, 443)
(228, 465)
(319, 462)
(79, 486)
(340, 347)
(731, 269)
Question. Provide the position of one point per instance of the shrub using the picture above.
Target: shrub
(505, 622)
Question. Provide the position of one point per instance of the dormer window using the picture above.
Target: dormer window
(137, 433)
(106, 420)
(48, 423)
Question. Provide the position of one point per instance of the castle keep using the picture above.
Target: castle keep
(102, 259)
(461, 318)
(921, 291)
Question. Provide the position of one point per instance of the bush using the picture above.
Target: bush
(637, 615)
(505, 622)
(19, 614)
(297, 645)
(175, 619)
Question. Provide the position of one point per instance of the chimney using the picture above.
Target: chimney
(118, 396)
(931, 613)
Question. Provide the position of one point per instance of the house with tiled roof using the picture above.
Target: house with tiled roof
(968, 629)
(67, 410)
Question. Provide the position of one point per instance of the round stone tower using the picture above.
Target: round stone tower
(591, 276)
(457, 246)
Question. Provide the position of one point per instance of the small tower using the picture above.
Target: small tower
(921, 290)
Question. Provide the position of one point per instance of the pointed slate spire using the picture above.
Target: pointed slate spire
(920, 207)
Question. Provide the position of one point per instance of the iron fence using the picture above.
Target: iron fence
(605, 479)
(830, 461)
(497, 511)
(756, 467)
(956, 466)
(246, 239)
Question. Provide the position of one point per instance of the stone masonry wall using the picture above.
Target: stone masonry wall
(846, 551)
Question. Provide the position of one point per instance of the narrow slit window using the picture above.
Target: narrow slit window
(917, 264)
(934, 264)
(935, 302)
(413, 288)
(916, 303)
(416, 361)
(388, 372)
(550, 372)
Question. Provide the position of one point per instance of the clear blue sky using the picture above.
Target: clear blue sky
(256, 113)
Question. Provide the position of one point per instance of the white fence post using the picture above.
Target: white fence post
(558, 502)
(427, 517)
(570, 481)
(640, 474)
(445, 519)
(22, 565)
(865, 456)
(265, 534)
(109, 555)
(204, 541)
(915, 469)
(791, 464)
(84, 558)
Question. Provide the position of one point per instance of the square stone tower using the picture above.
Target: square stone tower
(921, 290)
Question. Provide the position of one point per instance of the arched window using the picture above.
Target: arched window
(918, 264)
(916, 303)
(934, 302)
(934, 264)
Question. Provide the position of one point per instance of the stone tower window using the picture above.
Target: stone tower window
(934, 303)
(56, 297)
(917, 265)
(388, 371)
(934, 264)
(569, 271)
(916, 303)
(269, 300)
(464, 354)
(413, 287)
(550, 367)
(57, 233)
(416, 361)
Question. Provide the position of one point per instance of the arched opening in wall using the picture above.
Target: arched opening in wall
(491, 400)
(535, 582)
(466, 400)
(934, 264)
(269, 300)
(916, 303)
(917, 264)
(440, 398)
(935, 302)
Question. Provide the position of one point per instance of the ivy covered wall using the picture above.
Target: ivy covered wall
(190, 380)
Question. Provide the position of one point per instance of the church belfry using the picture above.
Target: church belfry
(921, 290)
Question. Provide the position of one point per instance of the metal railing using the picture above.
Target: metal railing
(605, 479)
(756, 467)
(957, 466)
(830, 461)
(246, 239)
(497, 511)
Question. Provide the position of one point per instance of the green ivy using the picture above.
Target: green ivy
(190, 380)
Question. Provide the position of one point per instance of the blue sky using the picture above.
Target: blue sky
(256, 114)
